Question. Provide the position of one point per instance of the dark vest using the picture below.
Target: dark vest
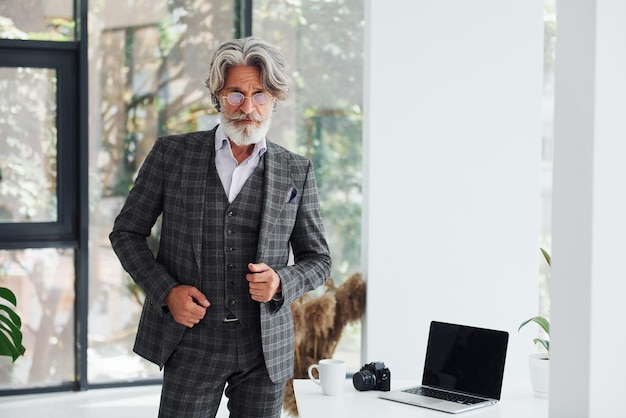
(231, 234)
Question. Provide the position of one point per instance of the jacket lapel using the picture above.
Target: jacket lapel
(194, 176)
(277, 178)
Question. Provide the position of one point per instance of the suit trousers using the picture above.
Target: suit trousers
(207, 360)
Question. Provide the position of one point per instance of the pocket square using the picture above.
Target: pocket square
(292, 192)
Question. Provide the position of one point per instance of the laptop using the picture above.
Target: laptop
(463, 369)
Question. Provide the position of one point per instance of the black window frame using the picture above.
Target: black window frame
(70, 230)
(70, 60)
(63, 58)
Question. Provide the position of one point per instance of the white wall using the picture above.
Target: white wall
(588, 272)
(452, 156)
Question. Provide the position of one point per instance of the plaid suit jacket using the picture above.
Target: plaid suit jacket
(172, 182)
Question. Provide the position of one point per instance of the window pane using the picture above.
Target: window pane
(49, 20)
(43, 283)
(114, 309)
(323, 45)
(150, 59)
(28, 145)
(547, 143)
(322, 118)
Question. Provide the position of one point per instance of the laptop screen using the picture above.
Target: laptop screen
(465, 359)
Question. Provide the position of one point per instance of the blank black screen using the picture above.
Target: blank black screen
(465, 359)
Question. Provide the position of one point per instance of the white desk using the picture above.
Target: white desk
(517, 401)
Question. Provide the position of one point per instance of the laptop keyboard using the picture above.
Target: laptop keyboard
(447, 396)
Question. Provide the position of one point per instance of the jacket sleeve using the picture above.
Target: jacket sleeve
(312, 261)
(133, 226)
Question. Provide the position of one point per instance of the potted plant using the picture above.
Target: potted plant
(10, 325)
(539, 363)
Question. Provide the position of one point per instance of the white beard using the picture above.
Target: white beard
(244, 134)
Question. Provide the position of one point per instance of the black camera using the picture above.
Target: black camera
(373, 376)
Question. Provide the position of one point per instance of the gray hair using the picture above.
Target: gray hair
(248, 52)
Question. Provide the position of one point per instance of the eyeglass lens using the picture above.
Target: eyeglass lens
(236, 99)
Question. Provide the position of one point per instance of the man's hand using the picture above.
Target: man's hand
(187, 305)
(264, 282)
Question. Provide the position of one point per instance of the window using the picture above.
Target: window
(39, 139)
(43, 283)
(152, 59)
(545, 238)
(73, 154)
(323, 45)
(39, 188)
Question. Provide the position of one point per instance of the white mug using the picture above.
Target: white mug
(332, 375)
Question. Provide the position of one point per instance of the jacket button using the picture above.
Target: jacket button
(232, 302)
(231, 267)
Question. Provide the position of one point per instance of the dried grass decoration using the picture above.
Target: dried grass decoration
(319, 322)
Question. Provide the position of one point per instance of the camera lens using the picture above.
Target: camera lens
(364, 380)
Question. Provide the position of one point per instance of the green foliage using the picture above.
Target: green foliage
(545, 325)
(542, 321)
(546, 256)
(10, 325)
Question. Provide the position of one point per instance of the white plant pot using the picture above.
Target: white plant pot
(540, 374)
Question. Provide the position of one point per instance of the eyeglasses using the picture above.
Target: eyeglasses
(237, 99)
